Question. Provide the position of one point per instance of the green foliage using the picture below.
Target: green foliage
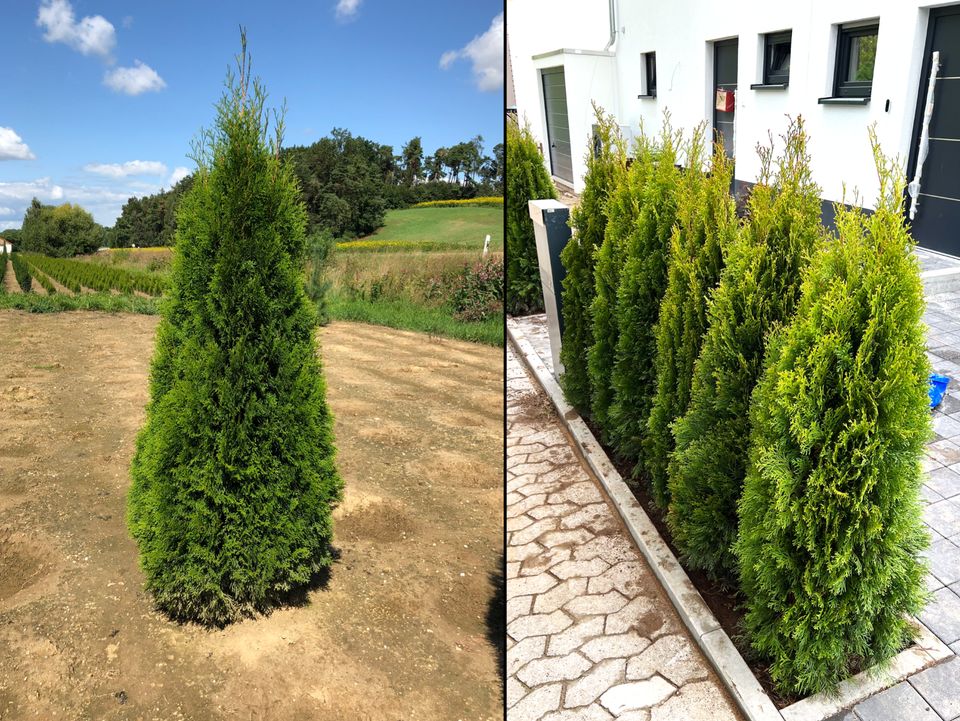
(61, 231)
(758, 290)
(21, 271)
(320, 247)
(78, 274)
(830, 519)
(104, 302)
(478, 291)
(642, 284)
(623, 225)
(233, 478)
(527, 179)
(605, 168)
(706, 226)
(150, 220)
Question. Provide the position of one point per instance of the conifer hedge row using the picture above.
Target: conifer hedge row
(766, 377)
(527, 179)
(78, 274)
(21, 271)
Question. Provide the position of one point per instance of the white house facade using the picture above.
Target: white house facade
(842, 65)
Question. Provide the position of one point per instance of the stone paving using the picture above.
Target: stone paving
(933, 694)
(591, 635)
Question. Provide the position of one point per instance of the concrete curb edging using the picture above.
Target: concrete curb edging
(716, 645)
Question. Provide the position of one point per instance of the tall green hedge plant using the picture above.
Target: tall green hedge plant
(606, 165)
(758, 290)
(234, 475)
(527, 179)
(830, 519)
(706, 226)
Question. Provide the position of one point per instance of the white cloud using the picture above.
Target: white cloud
(347, 9)
(178, 174)
(92, 35)
(103, 201)
(138, 79)
(7, 211)
(131, 167)
(486, 53)
(12, 146)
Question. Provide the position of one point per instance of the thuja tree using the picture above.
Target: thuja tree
(830, 519)
(758, 289)
(642, 283)
(623, 214)
(606, 164)
(706, 226)
(233, 475)
(527, 179)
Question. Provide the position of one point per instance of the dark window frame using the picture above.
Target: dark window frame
(851, 88)
(769, 41)
(650, 71)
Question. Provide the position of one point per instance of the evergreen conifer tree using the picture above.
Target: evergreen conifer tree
(606, 164)
(830, 518)
(623, 215)
(758, 289)
(642, 283)
(234, 475)
(706, 225)
(527, 179)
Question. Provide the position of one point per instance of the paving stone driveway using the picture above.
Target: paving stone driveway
(934, 694)
(591, 636)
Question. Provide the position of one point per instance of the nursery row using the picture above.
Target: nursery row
(76, 275)
(21, 271)
(766, 377)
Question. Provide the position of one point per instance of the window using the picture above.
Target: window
(856, 53)
(650, 69)
(776, 58)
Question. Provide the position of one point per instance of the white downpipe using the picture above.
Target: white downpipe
(613, 26)
(913, 189)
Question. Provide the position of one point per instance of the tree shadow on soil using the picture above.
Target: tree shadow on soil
(497, 617)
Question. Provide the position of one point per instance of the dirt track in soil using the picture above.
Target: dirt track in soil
(398, 632)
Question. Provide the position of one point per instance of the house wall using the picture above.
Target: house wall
(535, 27)
(681, 33)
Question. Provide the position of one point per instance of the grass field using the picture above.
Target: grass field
(407, 283)
(434, 229)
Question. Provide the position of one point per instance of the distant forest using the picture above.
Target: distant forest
(348, 184)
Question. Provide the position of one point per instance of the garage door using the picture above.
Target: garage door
(558, 127)
(938, 205)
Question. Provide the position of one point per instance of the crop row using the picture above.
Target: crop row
(76, 274)
(21, 271)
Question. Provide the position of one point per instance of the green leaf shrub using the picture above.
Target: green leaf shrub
(606, 166)
(830, 518)
(642, 284)
(758, 290)
(623, 216)
(706, 226)
(527, 179)
(233, 475)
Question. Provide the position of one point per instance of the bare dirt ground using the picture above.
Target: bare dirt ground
(399, 631)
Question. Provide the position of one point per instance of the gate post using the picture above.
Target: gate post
(552, 231)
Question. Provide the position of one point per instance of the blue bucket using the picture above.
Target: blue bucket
(938, 386)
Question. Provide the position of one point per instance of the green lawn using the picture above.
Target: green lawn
(435, 229)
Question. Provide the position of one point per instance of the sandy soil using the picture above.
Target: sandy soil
(400, 629)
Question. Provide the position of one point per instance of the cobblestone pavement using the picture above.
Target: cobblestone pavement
(934, 694)
(591, 636)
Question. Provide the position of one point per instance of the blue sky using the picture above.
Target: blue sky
(101, 98)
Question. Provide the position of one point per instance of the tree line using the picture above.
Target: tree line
(347, 184)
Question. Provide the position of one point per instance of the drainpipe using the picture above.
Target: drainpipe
(613, 26)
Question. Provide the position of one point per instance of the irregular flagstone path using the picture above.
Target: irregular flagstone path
(591, 636)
